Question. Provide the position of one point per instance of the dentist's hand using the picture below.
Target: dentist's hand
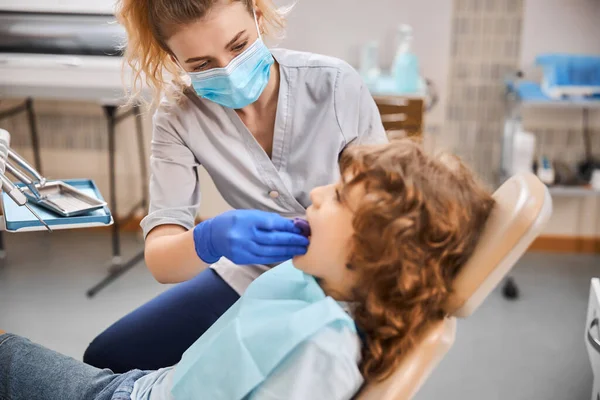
(248, 237)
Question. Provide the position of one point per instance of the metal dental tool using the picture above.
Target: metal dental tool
(23, 178)
(25, 165)
(14, 192)
(18, 197)
(57, 196)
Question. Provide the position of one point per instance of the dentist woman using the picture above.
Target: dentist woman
(267, 124)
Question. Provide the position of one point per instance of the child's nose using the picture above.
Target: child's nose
(316, 196)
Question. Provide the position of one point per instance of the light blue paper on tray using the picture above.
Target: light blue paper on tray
(279, 311)
(18, 218)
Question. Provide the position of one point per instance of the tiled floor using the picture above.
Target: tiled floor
(43, 283)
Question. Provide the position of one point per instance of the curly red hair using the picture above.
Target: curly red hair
(416, 225)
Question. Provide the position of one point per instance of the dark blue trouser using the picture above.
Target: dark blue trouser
(157, 334)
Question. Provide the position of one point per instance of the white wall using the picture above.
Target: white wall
(340, 27)
(570, 26)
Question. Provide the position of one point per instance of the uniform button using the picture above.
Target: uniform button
(274, 194)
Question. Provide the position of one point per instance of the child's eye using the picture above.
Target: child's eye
(337, 195)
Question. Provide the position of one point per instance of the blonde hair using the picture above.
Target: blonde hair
(150, 23)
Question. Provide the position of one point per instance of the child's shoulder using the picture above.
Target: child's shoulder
(337, 340)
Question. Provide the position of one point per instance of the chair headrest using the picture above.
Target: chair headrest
(523, 206)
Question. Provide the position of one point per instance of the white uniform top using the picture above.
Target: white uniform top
(323, 106)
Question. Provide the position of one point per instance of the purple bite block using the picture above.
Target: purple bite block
(303, 225)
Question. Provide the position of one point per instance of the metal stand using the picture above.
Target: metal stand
(26, 106)
(115, 273)
(2, 250)
(118, 268)
(35, 140)
(510, 290)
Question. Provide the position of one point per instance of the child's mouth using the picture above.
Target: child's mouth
(304, 227)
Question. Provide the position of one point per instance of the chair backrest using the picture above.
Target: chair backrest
(416, 366)
(523, 207)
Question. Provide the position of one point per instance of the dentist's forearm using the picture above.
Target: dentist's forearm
(171, 256)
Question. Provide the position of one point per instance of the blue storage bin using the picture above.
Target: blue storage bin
(567, 75)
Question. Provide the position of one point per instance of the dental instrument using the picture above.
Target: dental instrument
(15, 193)
(25, 165)
(57, 196)
(18, 197)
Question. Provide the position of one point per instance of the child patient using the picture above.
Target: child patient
(387, 241)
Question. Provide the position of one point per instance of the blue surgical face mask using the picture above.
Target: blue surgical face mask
(240, 83)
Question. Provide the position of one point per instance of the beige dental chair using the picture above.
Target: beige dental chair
(523, 208)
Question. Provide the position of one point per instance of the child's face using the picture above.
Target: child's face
(331, 232)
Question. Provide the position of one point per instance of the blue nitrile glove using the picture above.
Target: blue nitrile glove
(248, 237)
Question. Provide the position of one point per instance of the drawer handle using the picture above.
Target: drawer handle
(593, 341)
